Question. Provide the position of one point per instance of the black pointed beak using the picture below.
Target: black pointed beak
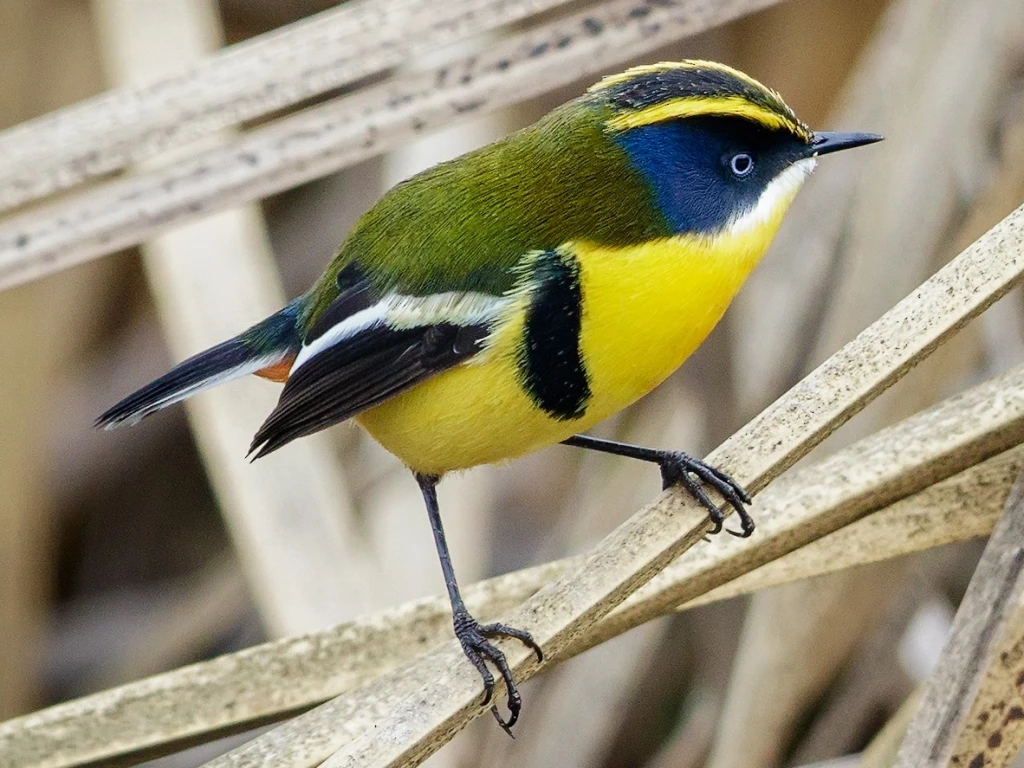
(825, 142)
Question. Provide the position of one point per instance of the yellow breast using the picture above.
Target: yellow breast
(645, 309)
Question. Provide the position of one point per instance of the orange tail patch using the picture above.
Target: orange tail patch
(278, 371)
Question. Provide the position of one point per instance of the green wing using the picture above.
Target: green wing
(463, 225)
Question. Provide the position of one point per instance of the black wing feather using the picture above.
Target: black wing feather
(358, 373)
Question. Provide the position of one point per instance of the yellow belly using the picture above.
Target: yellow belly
(646, 308)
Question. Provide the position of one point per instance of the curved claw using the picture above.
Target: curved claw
(473, 637)
(505, 725)
(747, 525)
(679, 468)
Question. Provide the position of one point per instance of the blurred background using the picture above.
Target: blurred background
(129, 553)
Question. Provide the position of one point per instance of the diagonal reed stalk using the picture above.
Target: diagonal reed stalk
(969, 712)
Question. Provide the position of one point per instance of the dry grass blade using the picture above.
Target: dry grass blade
(323, 139)
(247, 81)
(965, 713)
(232, 692)
(415, 711)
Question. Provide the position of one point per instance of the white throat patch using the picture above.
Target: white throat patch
(778, 194)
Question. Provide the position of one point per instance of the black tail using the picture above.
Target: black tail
(268, 343)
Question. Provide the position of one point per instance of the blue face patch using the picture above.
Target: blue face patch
(689, 164)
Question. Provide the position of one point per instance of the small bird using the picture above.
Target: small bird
(516, 296)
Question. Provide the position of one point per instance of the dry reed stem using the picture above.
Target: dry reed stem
(818, 500)
(971, 711)
(244, 82)
(992, 732)
(290, 517)
(323, 139)
(402, 717)
(958, 508)
(235, 691)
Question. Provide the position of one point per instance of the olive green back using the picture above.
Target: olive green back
(464, 224)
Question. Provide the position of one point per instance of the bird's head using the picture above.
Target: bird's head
(720, 151)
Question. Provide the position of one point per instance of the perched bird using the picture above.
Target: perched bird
(514, 297)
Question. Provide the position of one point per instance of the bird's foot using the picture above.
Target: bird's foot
(474, 638)
(678, 468)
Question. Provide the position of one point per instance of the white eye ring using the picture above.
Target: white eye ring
(741, 165)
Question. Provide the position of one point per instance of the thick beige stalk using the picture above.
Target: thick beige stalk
(246, 81)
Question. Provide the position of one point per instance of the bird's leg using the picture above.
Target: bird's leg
(678, 468)
(472, 634)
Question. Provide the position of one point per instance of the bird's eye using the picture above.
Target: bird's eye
(741, 164)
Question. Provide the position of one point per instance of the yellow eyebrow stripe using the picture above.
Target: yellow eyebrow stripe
(695, 106)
